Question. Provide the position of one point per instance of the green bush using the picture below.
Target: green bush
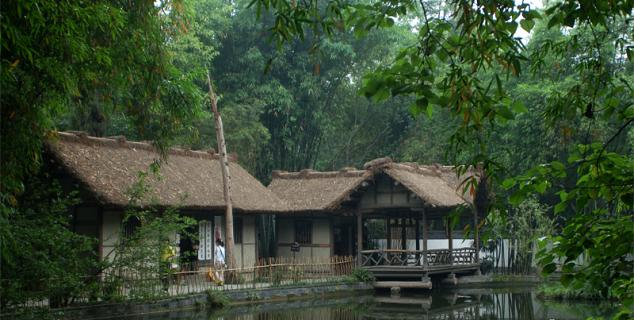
(559, 292)
(216, 299)
(362, 275)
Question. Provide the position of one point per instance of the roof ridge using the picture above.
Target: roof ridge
(122, 142)
(312, 174)
(416, 168)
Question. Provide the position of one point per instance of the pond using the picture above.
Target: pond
(506, 303)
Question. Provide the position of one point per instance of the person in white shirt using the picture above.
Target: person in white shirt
(219, 260)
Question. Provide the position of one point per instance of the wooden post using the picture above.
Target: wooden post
(417, 226)
(403, 234)
(476, 236)
(359, 235)
(226, 178)
(450, 240)
(425, 236)
(389, 232)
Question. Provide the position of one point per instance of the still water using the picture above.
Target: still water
(507, 303)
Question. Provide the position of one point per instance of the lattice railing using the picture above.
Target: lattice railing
(395, 257)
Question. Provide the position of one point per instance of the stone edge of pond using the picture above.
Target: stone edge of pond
(198, 301)
(491, 281)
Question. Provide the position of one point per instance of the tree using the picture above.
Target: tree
(92, 59)
(464, 61)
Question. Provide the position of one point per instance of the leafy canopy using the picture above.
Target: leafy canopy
(466, 61)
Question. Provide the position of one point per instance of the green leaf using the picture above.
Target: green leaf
(557, 165)
(517, 198)
(519, 107)
(560, 207)
(532, 14)
(527, 24)
(541, 187)
(549, 268)
(563, 195)
(430, 110)
(508, 183)
(382, 94)
(511, 27)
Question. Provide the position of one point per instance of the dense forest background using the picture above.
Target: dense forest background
(300, 106)
(328, 85)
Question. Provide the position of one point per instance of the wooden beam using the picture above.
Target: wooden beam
(425, 237)
(450, 240)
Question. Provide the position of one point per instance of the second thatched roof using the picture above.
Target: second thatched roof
(437, 186)
(109, 167)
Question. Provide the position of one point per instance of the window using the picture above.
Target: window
(130, 226)
(303, 232)
(237, 230)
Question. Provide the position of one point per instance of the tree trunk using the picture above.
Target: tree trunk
(226, 178)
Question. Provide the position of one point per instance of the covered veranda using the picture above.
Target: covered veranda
(400, 248)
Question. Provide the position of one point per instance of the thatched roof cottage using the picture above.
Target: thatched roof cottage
(393, 204)
(106, 168)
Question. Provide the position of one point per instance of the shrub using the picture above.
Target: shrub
(362, 275)
(559, 292)
(216, 299)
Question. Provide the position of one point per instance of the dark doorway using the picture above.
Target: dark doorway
(343, 236)
(188, 249)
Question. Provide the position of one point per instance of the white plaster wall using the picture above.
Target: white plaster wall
(245, 252)
(319, 246)
(321, 231)
(248, 257)
(111, 227)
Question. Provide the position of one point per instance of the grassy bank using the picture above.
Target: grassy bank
(556, 291)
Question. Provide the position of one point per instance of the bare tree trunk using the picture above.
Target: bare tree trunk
(226, 178)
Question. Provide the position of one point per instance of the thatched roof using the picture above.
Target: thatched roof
(437, 186)
(108, 167)
(315, 191)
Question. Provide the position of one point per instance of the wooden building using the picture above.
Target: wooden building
(388, 213)
(104, 169)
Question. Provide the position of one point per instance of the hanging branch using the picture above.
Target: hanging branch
(226, 178)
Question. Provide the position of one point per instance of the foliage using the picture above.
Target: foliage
(467, 62)
(362, 275)
(138, 259)
(216, 299)
(74, 65)
(559, 291)
(44, 258)
(519, 228)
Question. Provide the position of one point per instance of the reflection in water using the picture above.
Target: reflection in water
(464, 304)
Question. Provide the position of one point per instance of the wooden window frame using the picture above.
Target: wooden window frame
(238, 227)
(304, 236)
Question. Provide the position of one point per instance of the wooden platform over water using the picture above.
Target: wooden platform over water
(417, 264)
(420, 271)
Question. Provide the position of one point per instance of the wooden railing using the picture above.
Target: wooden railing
(395, 257)
(272, 272)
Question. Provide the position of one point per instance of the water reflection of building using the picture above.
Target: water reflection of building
(465, 304)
